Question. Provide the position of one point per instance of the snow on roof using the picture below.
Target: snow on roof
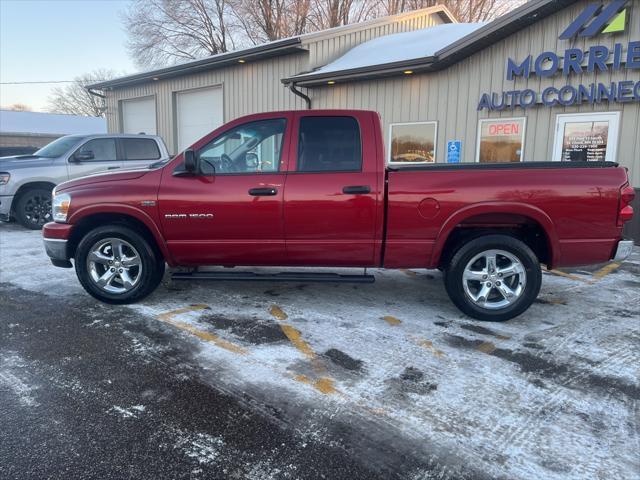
(49, 123)
(399, 47)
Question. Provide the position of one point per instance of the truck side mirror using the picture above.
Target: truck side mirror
(85, 155)
(191, 162)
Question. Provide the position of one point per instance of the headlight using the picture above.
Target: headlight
(4, 178)
(60, 207)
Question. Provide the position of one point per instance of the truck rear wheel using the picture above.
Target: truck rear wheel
(33, 208)
(117, 265)
(493, 278)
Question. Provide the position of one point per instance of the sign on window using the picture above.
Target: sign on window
(501, 140)
(586, 137)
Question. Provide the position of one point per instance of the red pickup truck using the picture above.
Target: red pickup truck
(312, 189)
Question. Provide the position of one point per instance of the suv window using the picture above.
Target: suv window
(254, 147)
(103, 149)
(140, 149)
(329, 144)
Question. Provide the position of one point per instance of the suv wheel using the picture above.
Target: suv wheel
(117, 265)
(33, 208)
(494, 278)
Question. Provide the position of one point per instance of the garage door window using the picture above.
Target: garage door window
(140, 149)
(501, 140)
(254, 147)
(103, 149)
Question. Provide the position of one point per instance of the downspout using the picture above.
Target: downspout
(96, 93)
(103, 108)
(295, 91)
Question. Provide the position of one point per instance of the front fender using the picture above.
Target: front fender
(512, 208)
(129, 211)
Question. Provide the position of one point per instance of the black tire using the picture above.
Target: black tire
(152, 264)
(454, 282)
(33, 208)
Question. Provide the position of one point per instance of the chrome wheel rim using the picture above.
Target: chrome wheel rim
(114, 265)
(494, 279)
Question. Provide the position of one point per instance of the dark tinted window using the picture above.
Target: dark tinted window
(329, 144)
(103, 149)
(140, 149)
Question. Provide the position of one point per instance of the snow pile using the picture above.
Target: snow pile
(400, 47)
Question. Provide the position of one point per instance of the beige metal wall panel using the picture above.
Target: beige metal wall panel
(449, 97)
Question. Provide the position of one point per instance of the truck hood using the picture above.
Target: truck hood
(101, 178)
(8, 164)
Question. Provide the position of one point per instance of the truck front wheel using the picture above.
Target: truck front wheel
(117, 265)
(493, 278)
(33, 208)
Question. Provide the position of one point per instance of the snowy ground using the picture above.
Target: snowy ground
(554, 394)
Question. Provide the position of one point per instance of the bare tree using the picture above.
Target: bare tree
(268, 20)
(18, 107)
(74, 99)
(167, 31)
(334, 13)
(464, 10)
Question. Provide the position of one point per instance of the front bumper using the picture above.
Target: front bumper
(56, 239)
(5, 207)
(625, 247)
(57, 251)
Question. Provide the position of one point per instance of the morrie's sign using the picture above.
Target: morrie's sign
(574, 61)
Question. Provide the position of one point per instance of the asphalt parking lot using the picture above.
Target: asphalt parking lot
(297, 381)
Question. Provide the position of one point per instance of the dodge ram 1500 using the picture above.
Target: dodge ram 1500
(312, 189)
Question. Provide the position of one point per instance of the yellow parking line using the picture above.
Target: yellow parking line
(427, 344)
(295, 337)
(606, 270)
(486, 347)
(391, 320)
(568, 275)
(169, 317)
(278, 313)
(191, 308)
(323, 383)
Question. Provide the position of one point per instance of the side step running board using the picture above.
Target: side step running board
(274, 277)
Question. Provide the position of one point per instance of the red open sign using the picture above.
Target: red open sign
(502, 129)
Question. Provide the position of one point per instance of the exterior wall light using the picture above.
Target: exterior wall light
(331, 82)
(242, 60)
(408, 72)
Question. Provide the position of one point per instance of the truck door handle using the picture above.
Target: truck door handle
(263, 192)
(356, 189)
(113, 168)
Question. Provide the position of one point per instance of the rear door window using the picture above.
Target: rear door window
(329, 144)
(140, 149)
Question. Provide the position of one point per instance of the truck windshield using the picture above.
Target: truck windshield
(58, 147)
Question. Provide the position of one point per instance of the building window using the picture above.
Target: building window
(501, 140)
(587, 137)
(412, 143)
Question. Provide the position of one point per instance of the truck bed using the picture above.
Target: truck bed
(574, 205)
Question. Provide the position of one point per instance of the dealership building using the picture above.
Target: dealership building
(553, 80)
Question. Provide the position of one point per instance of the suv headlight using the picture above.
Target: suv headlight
(4, 178)
(60, 207)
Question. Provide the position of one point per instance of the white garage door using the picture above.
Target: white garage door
(198, 112)
(139, 115)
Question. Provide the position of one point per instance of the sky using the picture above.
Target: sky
(44, 40)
